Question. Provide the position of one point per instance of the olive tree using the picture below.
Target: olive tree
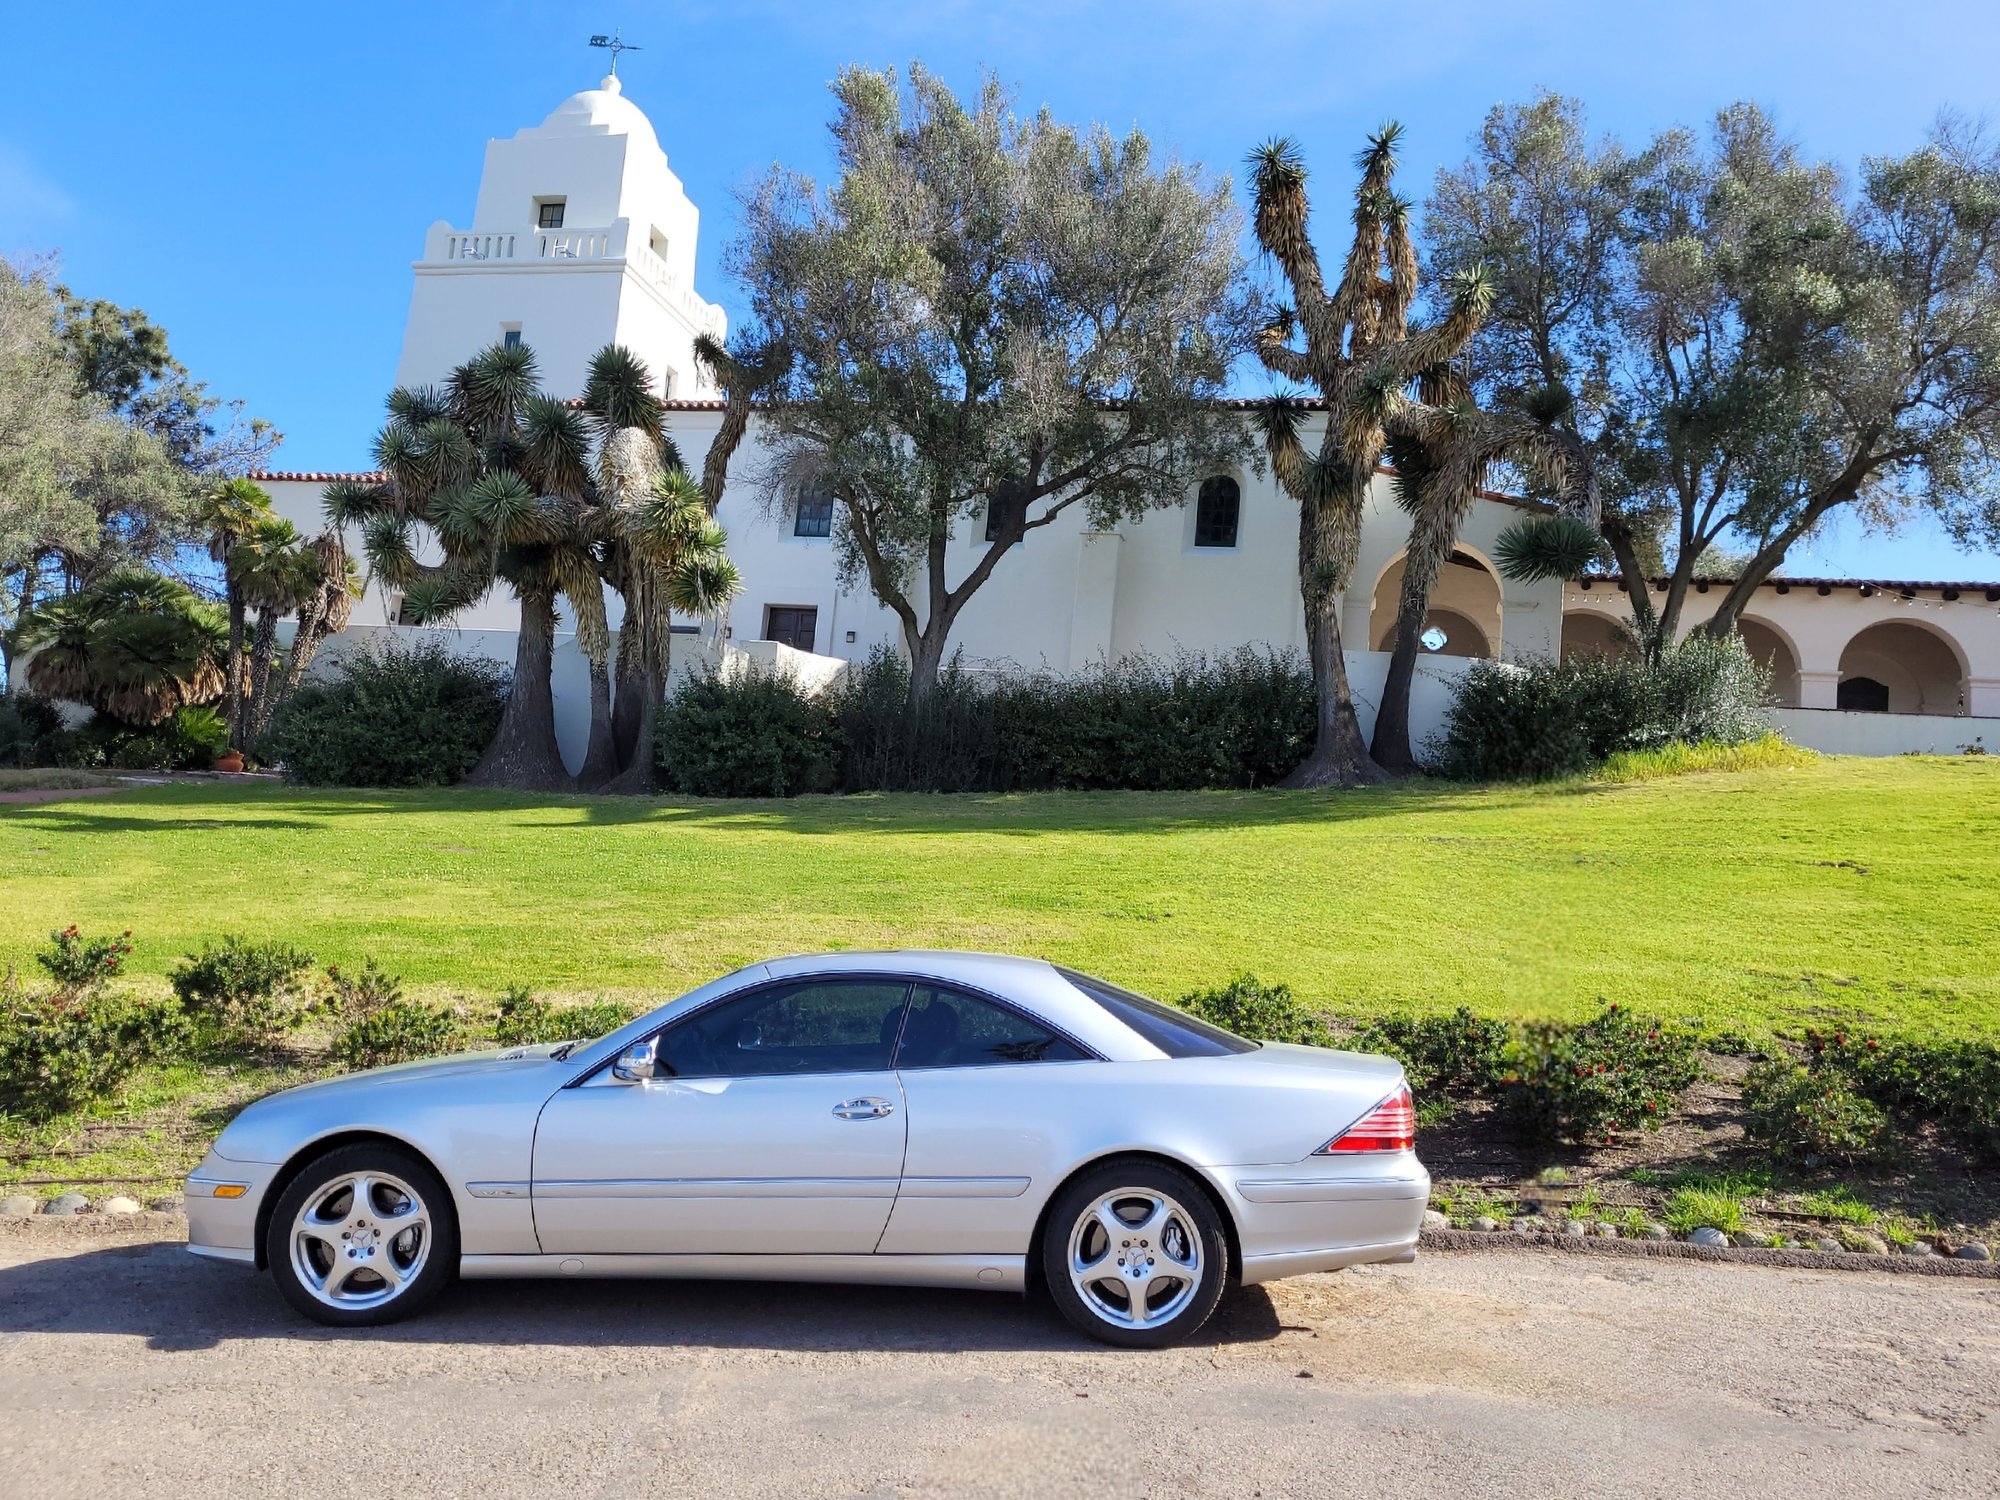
(986, 317)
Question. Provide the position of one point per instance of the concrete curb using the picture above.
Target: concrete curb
(1788, 1260)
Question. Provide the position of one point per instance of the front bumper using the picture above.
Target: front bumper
(225, 1228)
(1328, 1213)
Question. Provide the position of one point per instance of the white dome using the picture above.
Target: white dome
(603, 110)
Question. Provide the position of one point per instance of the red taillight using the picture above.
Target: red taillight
(1389, 1126)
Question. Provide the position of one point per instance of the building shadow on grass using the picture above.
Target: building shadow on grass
(176, 1302)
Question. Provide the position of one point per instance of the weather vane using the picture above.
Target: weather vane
(615, 46)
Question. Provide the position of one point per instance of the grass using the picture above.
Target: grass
(1687, 1209)
(1772, 752)
(1463, 1203)
(1837, 1204)
(1752, 900)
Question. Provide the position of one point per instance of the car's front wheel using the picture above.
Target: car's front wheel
(364, 1235)
(1135, 1254)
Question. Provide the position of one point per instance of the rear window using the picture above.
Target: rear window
(1174, 1032)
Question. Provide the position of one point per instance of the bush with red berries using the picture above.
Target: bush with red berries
(77, 963)
(72, 1045)
(1811, 1117)
(1952, 1085)
(1586, 1084)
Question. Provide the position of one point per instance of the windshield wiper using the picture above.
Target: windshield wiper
(561, 1054)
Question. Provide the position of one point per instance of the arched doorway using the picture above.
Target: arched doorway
(1590, 634)
(1901, 667)
(1465, 610)
(1774, 653)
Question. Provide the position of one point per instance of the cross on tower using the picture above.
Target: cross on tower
(615, 46)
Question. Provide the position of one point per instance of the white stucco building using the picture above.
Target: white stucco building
(582, 235)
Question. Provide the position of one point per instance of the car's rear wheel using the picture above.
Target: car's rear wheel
(1135, 1254)
(364, 1235)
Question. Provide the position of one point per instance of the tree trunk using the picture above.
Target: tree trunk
(600, 756)
(1339, 755)
(524, 755)
(926, 661)
(648, 686)
(257, 696)
(232, 693)
(628, 705)
(1432, 537)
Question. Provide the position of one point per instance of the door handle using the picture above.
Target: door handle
(864, 1109)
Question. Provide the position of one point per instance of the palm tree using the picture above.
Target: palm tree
(325, 611)
(1352, 344)
(275, 571)
(1440, 467)
(228, 516)
(133, 645)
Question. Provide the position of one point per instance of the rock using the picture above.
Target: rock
(1918, 1247)
(67, 1205)
(1829, 1243)
(1748, 1239)
(1972, 1250)
(1435, 1220)
(1574, 1227)
(167, 1205)
(1654, 1231)
(119, 1205)
(1715, 1239)
(1605, 1231)
(17, 1206)
(1524, 1226)
(1867, 1244)
(1485, 1225)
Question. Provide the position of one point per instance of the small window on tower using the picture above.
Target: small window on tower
(549, 212)
(511, 337)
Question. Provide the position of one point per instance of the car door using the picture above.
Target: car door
(992, 1095)
(774, 1126)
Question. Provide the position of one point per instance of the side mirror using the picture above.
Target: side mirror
(638, 1062)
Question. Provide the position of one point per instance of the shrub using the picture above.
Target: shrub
(244, 990)
(1954, 1085)
(77, 963)
(1547, 719)
(362, 992)
(61, 1051)
(1261, 1012)
(1810, 1116)
(753, 734)
(524, 1020)
(397, 1031)
(1585, 1083)
(188, 739)
(1455, 1054)
(29, 727)
(410, 716)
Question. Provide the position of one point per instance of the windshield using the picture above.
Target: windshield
(1174, 1032)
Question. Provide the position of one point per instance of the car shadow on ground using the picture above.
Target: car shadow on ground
(176, 1302)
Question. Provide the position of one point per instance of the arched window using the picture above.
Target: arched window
(1864, 694)
(1216, 509)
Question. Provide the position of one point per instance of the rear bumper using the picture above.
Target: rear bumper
(226, 1228)
(1324, 1215)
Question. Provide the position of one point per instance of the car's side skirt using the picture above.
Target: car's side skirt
(996, 1273)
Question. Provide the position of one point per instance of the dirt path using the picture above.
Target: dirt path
(128, 1366)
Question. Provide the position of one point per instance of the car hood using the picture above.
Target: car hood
(395, 1099)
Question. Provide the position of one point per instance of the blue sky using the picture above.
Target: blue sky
(258, 178)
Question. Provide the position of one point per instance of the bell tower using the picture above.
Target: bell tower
(581, 236)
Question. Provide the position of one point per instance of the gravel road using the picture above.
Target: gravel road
(127, 1366)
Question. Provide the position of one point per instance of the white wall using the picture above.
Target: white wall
(1844, 733)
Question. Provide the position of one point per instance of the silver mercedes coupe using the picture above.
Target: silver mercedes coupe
(928, 1119)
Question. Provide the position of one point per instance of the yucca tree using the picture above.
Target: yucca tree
(133, 645)
(276, 570)
(1441, 465)
(229, 515)
(1353, 345)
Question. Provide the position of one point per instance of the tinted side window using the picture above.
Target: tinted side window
(950, 1029)
(1174, 1032)
(816, 1026)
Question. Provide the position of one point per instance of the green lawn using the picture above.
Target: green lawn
(1867, 889)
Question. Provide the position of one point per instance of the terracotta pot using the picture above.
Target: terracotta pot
(232, 762)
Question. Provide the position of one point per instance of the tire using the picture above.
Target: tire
(1118, 1285)
(354, 1266)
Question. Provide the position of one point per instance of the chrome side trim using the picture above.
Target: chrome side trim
(964, 1187)
(496, 1189)
(719, 1187)
(224, 1252)
(1331, 1189)
(999, 1273)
